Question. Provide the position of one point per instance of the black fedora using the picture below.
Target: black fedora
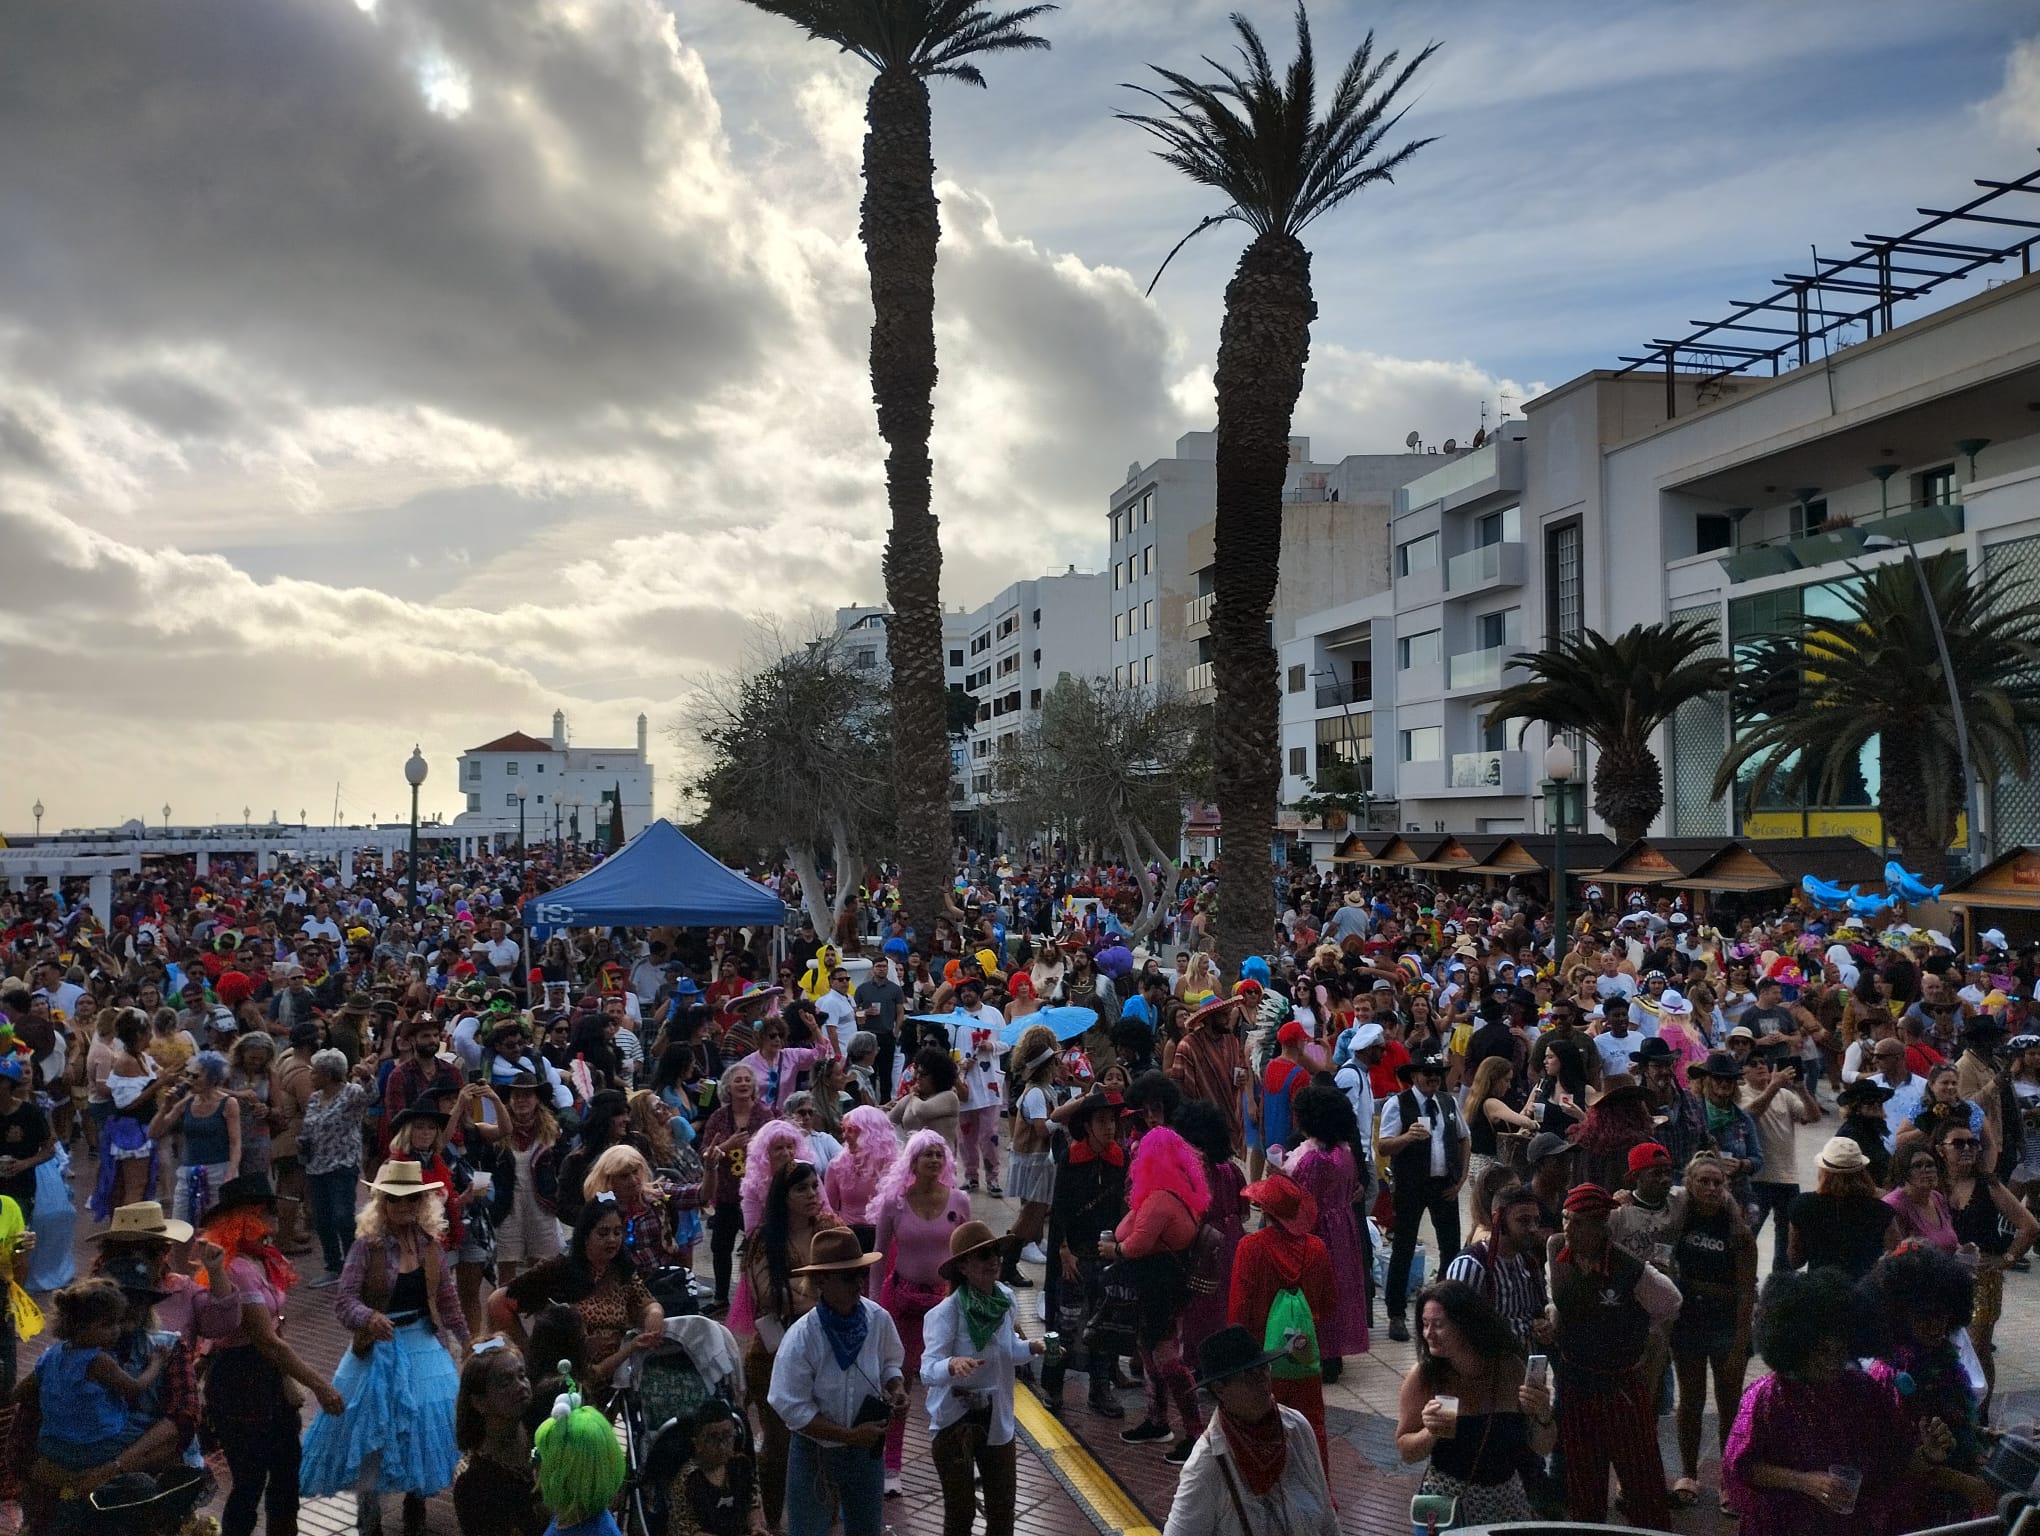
(1230, 1351)
(239, 1193)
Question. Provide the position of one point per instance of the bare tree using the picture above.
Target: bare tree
(799, 747)
(1109, 769)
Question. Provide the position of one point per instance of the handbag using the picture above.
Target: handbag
(1114, 1328)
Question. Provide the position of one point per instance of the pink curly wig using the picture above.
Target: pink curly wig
(868, 1158)
(900, 1177)
(1166, 1162)
(758, 1165)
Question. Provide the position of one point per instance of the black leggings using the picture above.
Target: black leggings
(724, 1228)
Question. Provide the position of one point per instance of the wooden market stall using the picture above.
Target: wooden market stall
(1754, 865)
(2004, 894)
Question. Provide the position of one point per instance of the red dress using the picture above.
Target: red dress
(1271, 1260)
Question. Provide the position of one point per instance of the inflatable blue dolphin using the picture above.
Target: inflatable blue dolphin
(1910, 887)
(1871, 906)
(1825, 894)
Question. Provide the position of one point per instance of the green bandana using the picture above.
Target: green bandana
(982, 1311)
(1720, 1118)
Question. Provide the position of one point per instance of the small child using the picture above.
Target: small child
(580, 1468)
(88, 1417)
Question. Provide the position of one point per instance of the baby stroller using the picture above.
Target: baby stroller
(697, 1360)
(146, 1503)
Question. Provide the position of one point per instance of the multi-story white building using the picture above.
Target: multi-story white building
(1334, 549)
(861, 636)
(1637, 497)
(555, 780)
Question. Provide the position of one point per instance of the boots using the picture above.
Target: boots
(1009, 1267)
(414, 1514)
(1104, 1397)
(367, 1515)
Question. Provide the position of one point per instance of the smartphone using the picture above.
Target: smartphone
(1538, 1372)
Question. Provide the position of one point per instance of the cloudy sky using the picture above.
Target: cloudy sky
(386, 370)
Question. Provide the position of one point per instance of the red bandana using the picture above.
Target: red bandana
(1260, 1451)
(1081, 1153)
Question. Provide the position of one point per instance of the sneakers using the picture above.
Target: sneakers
(970, 1185)
(1032, 1254)
(1105, 1403)
(1143, 1432)
(992, 1189)
(1398, 1330)
(1180, 1451)
(892, 1485)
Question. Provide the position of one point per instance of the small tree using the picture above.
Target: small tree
(1342, 789)
(800, 748)
(1110, 768)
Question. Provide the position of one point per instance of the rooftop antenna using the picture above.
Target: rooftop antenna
(1506, 397)
(1451, 445)
(1411, 442)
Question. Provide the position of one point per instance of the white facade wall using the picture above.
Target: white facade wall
(560, 777)
(1018, 646)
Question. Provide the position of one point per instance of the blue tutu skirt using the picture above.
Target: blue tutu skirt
(400, 1402)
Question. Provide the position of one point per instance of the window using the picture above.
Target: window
(475, 801)
(1503, 527)
(1119, 677)
(1937, 487)
(1425, 744)
(1009, 741)
(1418, 650)
(1417, 555)
(1147, 669)
(1147, 508)
(956, 658)
(981, 748)
(1497, 735)
(1297, 676)
(541, 799)
(1347, 739)
(1147, 561)
(1564, 577)
(1009, 623)
(864, 658)
(1299, 760)
(1491, 631)
(1037, 658)
(980, 643)
(510, 800)
(984, 711)
(1008, 665)
(1034, 698)
(1147, 614)
(1119, 626)
(1712, 531)
(1037, 618)
(510, 769)
(1132, 569)
(540, 768)
(1807, 516)
(1118, 575)
(1115, 527)
(982, 784)
(473, 767)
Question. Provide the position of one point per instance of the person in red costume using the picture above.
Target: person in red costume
(1285, 1255)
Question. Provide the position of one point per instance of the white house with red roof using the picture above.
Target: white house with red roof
(559, 784)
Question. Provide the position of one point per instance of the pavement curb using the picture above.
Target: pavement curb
(1111, 1508)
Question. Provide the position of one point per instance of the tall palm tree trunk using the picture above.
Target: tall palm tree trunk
(900, 228)
(1262, 346)
(1902, 803)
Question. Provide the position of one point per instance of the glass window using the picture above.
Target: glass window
(1417, 555)
(1147, 669)
(510, 769)
(1147, 508)
(1937, 487)
(956, 658)
(1425, 744)
(1147, 614)
(1119, 626)
(1119, 677)
(1346, 739)
(1418, 650)
(1118, 575)
(510, 800)
(1564, 574)
(1503, 527)
(1298, 760)
(1296, 678)
(474, 802)
(1147, 561)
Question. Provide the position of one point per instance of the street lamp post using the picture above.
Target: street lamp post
(523, 859)
(414, 775)
(166, 817)
(36, 811)
(1558, 768)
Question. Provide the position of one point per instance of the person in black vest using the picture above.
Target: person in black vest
(1425, 1141)
(1604, 1302)
(1862, 1104)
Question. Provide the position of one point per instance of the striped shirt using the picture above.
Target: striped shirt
(1513, 1284)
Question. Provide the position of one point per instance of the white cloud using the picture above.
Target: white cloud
(2015, 110)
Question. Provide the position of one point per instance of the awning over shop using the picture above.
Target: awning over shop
(1361, 847)
(1398, 852)
(1444, 853)
(1531, 853)
(2009, 883)
(1770, 865)
(1659, 860)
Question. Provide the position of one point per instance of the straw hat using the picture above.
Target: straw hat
(1843, 1154)
(143, 1221)
(969, 1237)
(400, 1179)
(837, 1248)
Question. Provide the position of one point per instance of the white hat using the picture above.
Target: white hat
(1941, 940)
(1674, 1001)
(1678, 919)
(1364, 1036)
(1994, 937)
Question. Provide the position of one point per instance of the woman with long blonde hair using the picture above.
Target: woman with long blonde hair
(398, 1294)
(622, 1173)
(1489, 1114)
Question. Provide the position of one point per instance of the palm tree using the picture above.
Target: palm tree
(1875, 675)
(1616, 693)
(1259, 139)
(907, 43)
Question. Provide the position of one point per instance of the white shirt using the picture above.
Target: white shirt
(502, 952)
(1621, 983)
(321, 928)
(839, 1019)
(1359, 1091)
(944, 1337)
(63, 997)
(1431, 1109)
(807, 1383)
(1618, 1052)
(980, 1082)
(1300, 1503)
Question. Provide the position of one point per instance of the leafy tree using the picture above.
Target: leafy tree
(1342, 789)
(799, 763)
(1109, 769)
(1616, 693)
(1875, 675)
(907, 43)
(1258, 138)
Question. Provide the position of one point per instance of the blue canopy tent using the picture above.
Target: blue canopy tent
(658, 878)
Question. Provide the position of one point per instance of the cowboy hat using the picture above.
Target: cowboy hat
(1217, 1005)
(1230, 1351)
(400, 1178)
(969, 1237)
(1653, 1051)
(1615, 1087)
(1424, 1063)
(420, 1110)
(837, 1248)
(143, 1221)
(1717, 1064)
(1843, 1154)
(1284, 1202)
(246, 1190)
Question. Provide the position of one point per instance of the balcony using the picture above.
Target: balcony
(1336, 695)
(1478, 671)
(1484, 568)
(1197, 610)
(1198, 679)
(1466, 776)
(1921, 525)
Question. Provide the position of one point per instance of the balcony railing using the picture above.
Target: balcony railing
(1476, 669)
(1198, 679)
(1477, 770)
(1197, 610)
(1484, 564)
(1356, 691)
(1772, 557)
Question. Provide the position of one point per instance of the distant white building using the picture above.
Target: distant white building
(558, 782)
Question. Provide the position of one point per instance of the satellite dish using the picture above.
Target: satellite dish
(1451, 445)
(1480, 437)
(1411, 441)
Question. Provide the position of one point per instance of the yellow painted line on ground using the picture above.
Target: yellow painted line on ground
(1108, 1504)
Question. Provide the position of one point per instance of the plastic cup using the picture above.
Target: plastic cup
(1851, 1479)
(1449, 1406)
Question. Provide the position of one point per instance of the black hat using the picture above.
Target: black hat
(237, 1193)
(1653, 1051)
(1093, 1103)
(1984, 1026)
(1863, 1091)
(1425, 1062)
(420, 1110)
(1717, 1064)
(1230, 1351)
(1546, 1144)
(148, 1501)
(135, 1275)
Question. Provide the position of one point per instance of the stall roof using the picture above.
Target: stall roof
(1528, 853)
(1763, 864)
(1445, 854)
(1398, 851)
(1654, 860)
(2010, 881)
(658, 877)
(1361, 847)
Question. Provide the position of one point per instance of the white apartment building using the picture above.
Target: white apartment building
(1636, 497)
(548, 779)
(1334, 549)
(862, 635)
(1012, 650)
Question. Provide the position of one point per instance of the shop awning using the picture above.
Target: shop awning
(1658, 860)
(1754, 864)
(1533, 853)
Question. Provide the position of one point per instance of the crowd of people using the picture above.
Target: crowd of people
(498, 1159)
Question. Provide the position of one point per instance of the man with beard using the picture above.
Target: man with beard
(418, 1071)
(1681, 1121)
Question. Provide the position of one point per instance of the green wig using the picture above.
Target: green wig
(580, 1464)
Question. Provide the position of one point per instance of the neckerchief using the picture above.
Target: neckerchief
(983, 1311)
(1260, 1451)
(1081, 1153)
(845, 1334)
(1719, 1117)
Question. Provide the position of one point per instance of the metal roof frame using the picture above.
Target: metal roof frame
(1802, 296)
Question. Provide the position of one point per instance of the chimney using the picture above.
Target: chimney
(559, 735)
(643, 737)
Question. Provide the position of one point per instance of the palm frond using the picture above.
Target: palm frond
(1259, 137)
(930, 38)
